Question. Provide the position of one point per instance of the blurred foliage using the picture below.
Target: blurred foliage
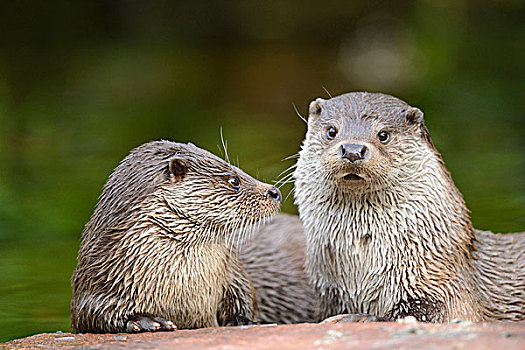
(81, 83)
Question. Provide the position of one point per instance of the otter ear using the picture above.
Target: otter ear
(414, 115)
(315, 108)
(177, 169)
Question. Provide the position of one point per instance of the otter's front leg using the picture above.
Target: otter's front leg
(423, 309)
(332, 310)
(147, 323)
(237, 306)
(330, 304)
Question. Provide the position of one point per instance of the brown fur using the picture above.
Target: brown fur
(390, 234)
(160, 245)
(274, 260)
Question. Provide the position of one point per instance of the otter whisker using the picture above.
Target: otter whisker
(292, 156)
(328, 93)
(224, 146)
(283, 174)
(286, 180)
(291, 167)
(299, 114)
(289, 193)
(285, 177)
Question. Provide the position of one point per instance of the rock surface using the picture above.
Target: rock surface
(462, 335)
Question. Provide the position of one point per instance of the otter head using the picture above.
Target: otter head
(208, 191)
(185, 191)
(363, 142)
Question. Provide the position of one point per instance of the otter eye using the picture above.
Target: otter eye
(331, 132)
(383, 136)
(234, 182)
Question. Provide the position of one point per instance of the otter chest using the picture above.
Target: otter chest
(184, 285)
(360, 258)
(198, 278)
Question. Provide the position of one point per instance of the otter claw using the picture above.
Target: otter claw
(147, 324)
(356, 318)
(165, 325)
(239, 321)
(132, 327)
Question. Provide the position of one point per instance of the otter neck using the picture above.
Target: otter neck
(171, 223)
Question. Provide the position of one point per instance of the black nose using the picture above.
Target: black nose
(352, 152)
(274, 194)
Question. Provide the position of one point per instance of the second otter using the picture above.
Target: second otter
(157, 253)
(387, 231)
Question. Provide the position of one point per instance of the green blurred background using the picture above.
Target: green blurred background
(81, 83)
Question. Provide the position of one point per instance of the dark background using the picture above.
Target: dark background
(81, 83)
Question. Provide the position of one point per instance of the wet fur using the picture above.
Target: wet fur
(162, 242)
(274, 259)
(400, 243)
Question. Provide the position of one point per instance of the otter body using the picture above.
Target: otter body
(387, 231)
(274, 260)
(159, 253)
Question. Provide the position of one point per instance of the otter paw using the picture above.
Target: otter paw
(142, 323)
(356, 318)
(239, 320)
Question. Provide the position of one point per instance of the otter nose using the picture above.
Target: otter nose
(352, 152)
(274, 194)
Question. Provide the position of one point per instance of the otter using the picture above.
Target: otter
(159, 252)
(387, 231)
